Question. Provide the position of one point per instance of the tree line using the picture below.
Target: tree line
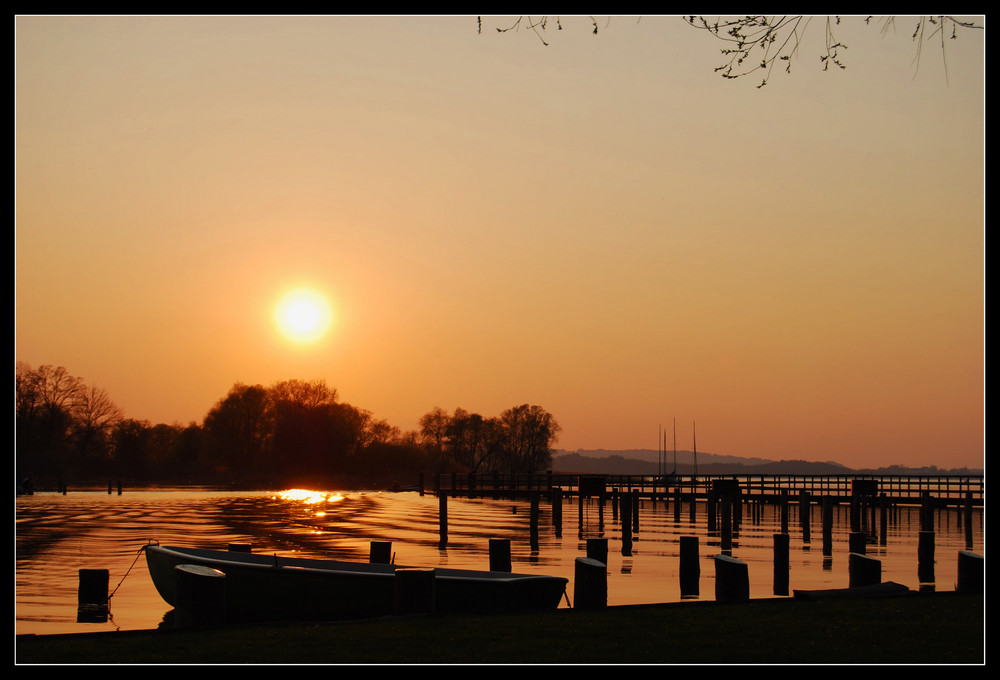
(291, 432)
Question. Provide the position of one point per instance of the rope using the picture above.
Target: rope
(137, 555)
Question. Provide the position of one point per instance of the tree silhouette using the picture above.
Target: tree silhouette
(757, 43)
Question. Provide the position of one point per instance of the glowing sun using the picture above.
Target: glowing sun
(303, 315)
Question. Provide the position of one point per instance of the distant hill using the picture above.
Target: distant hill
(644, 462)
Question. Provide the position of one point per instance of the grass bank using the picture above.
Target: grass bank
(938, 628)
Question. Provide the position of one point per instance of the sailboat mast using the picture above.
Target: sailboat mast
(659, 458)
(694, 434)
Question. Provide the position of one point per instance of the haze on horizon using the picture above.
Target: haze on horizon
(602, 226)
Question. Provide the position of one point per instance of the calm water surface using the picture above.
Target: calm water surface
(57, 535)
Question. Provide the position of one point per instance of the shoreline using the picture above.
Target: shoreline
(911, 628)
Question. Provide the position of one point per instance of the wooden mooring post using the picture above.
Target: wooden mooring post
(443, 519)
(557, 503)
(781, 564)
(805, 508)
(863, 570)
(827, 526)
(626, 524)
(597, 549)
(92, 589)
(500, 554)
(971, 572)
(693, 506)
(732, 579)
(925, 557)
(857, 541)
(533, 521)
(380, 552)
(968, 520)
(726, 528)
(690, 567)
(883, 507)
(590, 585)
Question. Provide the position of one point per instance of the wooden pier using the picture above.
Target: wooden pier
(942, 490)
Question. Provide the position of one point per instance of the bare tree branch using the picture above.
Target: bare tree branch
(756, 43)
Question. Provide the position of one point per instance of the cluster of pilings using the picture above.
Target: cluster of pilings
(725, 513)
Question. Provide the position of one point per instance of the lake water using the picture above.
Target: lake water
(58, 535)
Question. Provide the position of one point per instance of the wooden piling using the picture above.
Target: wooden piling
(635, 511)
(827, 526)
(732, 579)
(533, 522)
(925, 557)
(781, 564)
(971, 572)
(968, 520)
(857, 541)
(500, 554)
(93, 587)
(863, 570)
(380, 552)
(784, 512)
(597, 549)
(883, 536)
(590, 584)
(443, 519)
(726, 528)
(626, 514)
(804, 512)
(557, 503)
(690, 567)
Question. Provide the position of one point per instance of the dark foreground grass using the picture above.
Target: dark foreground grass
(939, 628)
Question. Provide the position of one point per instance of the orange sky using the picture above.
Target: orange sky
(603, 226)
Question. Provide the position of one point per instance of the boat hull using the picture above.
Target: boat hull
(265, 587)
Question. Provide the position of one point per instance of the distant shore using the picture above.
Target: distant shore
(918, 628)
(647, 462)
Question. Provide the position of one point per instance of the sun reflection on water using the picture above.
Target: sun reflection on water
(310, 497)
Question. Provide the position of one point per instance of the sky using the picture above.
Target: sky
(600, 225)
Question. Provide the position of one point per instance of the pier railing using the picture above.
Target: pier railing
(901, 489)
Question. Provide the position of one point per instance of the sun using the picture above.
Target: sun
(303, 315)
